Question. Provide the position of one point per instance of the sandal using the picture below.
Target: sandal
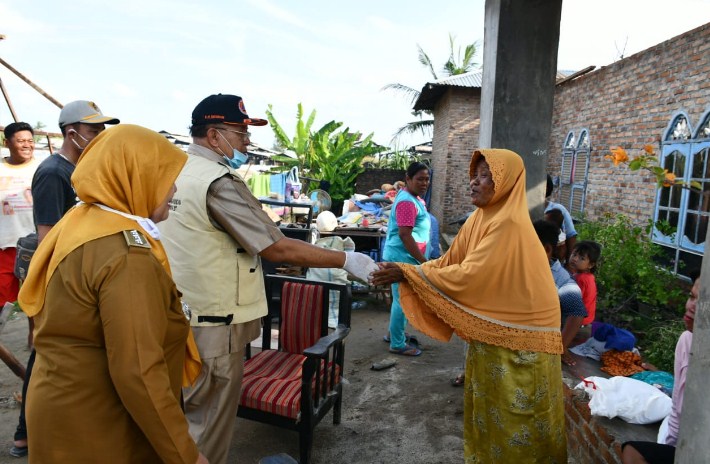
(458, 381)
(408, 350)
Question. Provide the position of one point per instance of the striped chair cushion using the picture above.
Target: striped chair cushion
(301, 316)
(272, 382)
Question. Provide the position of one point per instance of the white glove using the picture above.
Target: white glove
(360, 265)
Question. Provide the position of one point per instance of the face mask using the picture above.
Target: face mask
(83, 138)
(238, 158)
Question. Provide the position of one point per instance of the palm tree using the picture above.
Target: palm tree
(458, 63)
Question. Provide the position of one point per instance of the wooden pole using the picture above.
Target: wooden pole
(6, 355)
(7, 99)
(15, 366)
(30, 83)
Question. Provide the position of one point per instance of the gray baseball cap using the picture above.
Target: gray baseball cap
(86, 112)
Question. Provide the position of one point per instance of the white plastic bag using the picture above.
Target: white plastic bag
(634, 401)
(335, 275)
(293, 185)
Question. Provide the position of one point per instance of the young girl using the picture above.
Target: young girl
(582, 264)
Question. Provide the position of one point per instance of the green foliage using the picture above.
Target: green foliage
(457, 63)
(629, 272)
(659, 344)
(398, 159)
(330, 153)
(38, 127)
(633, 290)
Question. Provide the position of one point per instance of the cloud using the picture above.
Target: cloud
(278, 13)
(123, 90)
(15, 22)
(381, 23)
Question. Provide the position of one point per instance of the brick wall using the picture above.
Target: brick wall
(588, 440)
(630, 103)
(456, 132)
(374, 178)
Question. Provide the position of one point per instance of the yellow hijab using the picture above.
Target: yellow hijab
(494, 284)
(130, 169)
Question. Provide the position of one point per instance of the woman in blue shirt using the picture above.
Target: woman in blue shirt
(407, 240)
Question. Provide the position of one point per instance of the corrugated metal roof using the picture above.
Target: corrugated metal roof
(432, 91)
(470, 79)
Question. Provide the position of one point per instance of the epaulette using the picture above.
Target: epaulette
(136, 239)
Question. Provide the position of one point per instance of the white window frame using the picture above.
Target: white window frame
(679, 139)
(574, 172)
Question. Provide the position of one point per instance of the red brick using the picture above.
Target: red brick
(591, 436)
(604, 436)
(583, 409)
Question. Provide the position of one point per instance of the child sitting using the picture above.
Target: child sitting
(556, 217)
(571, 304)
(582, 265)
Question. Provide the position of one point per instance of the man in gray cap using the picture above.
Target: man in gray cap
(214, 238)
(80, 122)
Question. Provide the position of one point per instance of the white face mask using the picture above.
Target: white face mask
(146, 223)
(81, 149)
(238, 158)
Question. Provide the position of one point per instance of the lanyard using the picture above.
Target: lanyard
(145, 223)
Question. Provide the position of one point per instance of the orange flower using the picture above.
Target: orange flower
(648, 149)
(618, 156)
(669, 178)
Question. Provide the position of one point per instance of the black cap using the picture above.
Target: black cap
(223, 109)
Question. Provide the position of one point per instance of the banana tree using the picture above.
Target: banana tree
(338, 158)
(327, 154)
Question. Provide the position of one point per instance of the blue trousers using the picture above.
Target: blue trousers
(398, 322)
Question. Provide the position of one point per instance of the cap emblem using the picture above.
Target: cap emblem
(241, 107)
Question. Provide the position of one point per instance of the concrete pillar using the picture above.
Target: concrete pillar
(519, 69)
(694, 433)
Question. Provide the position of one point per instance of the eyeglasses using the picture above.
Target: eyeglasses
(245, 135)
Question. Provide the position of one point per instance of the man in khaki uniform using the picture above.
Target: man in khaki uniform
(214, 238)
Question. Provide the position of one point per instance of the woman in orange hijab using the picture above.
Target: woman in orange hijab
(494, 289)
(110, 331)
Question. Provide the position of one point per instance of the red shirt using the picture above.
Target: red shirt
(588, 285)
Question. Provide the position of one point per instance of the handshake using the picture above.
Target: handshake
(367, 270)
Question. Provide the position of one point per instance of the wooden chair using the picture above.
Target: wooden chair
(295, 385)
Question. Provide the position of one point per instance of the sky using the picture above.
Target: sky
(149, 62)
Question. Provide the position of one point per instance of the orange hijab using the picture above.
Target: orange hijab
(130, 169)
(494, 284)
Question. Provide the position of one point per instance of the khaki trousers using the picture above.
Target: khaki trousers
(211, 404)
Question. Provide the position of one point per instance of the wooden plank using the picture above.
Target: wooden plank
(6, 355)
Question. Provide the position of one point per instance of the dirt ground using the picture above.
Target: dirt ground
(406, 414)
(14, 337)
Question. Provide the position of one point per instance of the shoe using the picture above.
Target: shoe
(19, 451)
(408, 350)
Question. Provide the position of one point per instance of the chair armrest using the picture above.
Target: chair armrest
(321, 347)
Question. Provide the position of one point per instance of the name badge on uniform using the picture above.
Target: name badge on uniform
(136, 239)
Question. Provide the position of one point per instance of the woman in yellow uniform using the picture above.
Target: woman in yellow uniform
(110, 331)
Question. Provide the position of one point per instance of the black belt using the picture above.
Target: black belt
(226, 320)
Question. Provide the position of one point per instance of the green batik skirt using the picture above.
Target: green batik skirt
(513, 407)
